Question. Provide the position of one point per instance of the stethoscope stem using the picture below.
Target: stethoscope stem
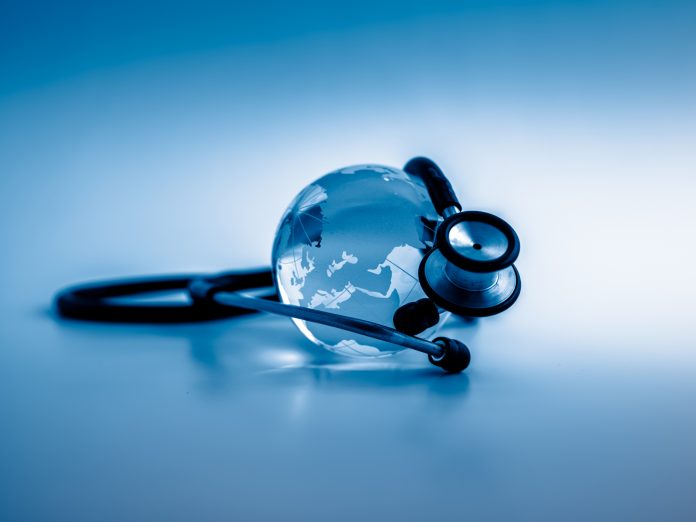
(450, 211)
(359, 326)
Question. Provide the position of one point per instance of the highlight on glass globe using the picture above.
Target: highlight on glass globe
(351, 243)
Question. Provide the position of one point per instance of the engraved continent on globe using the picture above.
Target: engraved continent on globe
(351, 243)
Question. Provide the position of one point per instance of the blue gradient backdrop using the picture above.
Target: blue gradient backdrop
(144, 137)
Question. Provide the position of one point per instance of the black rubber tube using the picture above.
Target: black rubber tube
(94, 301)
(439, 188)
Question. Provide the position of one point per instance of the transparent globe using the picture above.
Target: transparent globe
(351, 243)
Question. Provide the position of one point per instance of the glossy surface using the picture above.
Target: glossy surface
(573, 121)
(478, 241)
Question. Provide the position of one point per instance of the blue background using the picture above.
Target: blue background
(141, 138)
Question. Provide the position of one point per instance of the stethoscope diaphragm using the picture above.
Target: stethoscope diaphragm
(470, 270)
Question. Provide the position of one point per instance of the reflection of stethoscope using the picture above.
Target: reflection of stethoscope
(468, 271)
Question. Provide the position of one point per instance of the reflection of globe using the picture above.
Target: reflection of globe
(350, 243)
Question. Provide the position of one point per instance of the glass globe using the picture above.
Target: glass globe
(351, 243)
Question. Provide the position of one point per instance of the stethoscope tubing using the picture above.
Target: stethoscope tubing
(97, 301)
(213, 297)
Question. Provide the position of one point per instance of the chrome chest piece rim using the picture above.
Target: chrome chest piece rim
(470, 271)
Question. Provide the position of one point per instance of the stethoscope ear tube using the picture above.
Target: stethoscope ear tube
(220, 296)
(449, 354)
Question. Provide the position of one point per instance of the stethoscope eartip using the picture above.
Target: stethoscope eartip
(416, 317)
(455, 357)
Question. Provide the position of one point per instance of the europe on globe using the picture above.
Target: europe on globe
(350, 243)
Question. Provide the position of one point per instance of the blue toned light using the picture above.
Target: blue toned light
(159, 137)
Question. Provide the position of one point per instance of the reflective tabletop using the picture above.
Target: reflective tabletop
(579, 401)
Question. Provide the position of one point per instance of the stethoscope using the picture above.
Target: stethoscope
(469, 271)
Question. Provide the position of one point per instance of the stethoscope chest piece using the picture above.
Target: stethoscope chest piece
(470, 270)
